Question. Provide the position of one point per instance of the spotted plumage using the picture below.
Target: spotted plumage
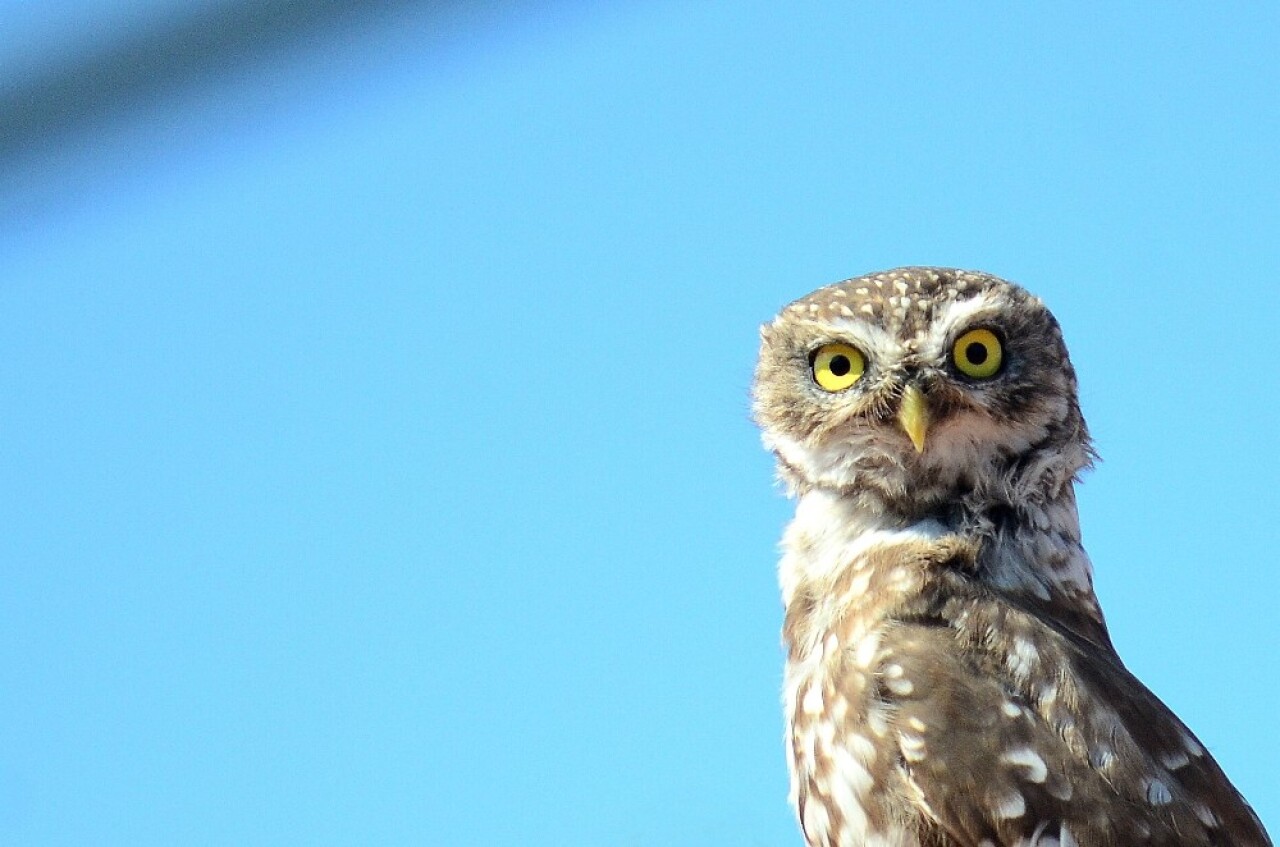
(950, 681)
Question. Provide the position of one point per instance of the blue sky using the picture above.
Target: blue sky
(375, 424)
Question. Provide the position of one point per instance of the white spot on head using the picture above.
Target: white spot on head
(1174, 760)
(917, 724)
(867, 309)
(1013, 710)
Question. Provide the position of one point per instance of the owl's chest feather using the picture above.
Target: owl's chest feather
(843, 574)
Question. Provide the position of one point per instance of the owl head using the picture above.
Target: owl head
(921, 388)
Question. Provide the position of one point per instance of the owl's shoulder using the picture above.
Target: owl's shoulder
(1012, 726)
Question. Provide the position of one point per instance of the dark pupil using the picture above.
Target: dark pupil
(840, 365)
(976, 353)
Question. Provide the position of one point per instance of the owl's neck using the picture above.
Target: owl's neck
(1030, 553)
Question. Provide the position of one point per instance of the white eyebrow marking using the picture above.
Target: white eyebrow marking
(953, 315)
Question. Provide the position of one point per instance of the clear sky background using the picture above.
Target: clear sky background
(373, 398)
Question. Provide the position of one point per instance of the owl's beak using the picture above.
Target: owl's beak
(913, 414)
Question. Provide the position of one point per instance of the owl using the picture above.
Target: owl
(950, 681)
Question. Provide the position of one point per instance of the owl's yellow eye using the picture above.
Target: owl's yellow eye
(837, 366)
(978, 354)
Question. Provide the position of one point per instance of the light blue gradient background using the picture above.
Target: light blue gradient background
(374, 424)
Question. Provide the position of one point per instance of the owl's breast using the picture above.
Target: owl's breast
(846, 590)
(839, 749)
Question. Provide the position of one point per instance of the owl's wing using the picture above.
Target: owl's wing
(1014, 732)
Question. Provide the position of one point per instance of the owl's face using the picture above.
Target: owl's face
(920, 385)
